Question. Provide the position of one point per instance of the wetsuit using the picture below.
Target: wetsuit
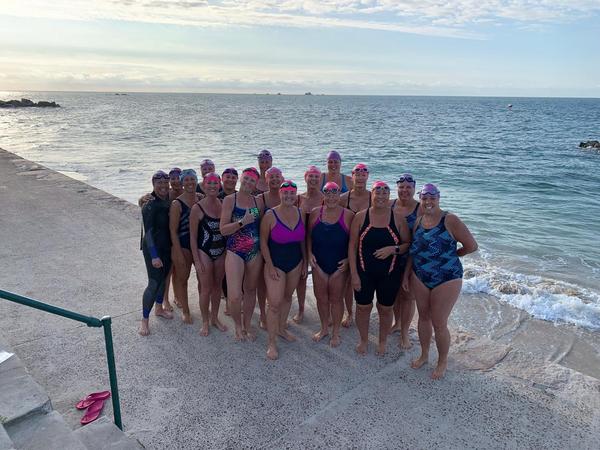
(412, 217)
(285, 244)
(434, 256)
(348, 204)
(381, 276)
(245, 242)
(343, 188)
(329, 242)
(210, 239)
(183, 230)
(156, 243)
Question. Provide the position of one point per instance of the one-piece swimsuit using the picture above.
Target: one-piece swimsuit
(329, 242)
(245, 242)
(285, 244)
(210, 239)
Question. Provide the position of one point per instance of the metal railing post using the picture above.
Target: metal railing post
(112, 370)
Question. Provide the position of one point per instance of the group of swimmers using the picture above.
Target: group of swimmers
(359, 244)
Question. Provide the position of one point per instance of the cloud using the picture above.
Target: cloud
(425, 17)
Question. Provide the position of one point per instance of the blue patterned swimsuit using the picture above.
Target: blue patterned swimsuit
(434, 255)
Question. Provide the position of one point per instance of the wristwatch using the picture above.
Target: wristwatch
(396, 249)
(240, 223)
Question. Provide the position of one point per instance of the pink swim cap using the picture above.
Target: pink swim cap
(211, 177)
(311, 170)
(288, 185)
(252, 172)
(330, 185)
(380, 184)
(272, 171)
(360, 167)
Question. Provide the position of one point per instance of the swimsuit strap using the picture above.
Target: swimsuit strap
(235, 199)
(348, 205)
(393, 230)
(202, 209)
(342, 222)
(344, 182)
(366, 229)
(394, 203)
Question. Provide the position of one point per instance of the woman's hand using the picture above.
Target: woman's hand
(157, 263)
(272, 271)
(406, 282)
(200, 268)
(248, 218)
(304, 270)
(384, 252)
(356, 282)
(177, 256)
(343, 265)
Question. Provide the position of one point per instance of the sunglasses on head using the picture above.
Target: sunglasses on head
(406, 177)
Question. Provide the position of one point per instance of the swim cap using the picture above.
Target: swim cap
(273, 171)
(408, 178)
(188, 173)
(333, 155)
(331, 186)
(206, 162)
(211, 177)
(159, 175)
(252, 172)
(265, 155)
(360, 167)
(380, 185)
(311, 170)
(230, 170)
(429, 190)
(175, 172)
(288, 185)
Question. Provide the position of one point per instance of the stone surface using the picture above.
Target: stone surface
(103, 435)
(44, 432)
(5, 442)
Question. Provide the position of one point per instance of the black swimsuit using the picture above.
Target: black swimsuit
(348, 204)
(210, 239)
(183, 231)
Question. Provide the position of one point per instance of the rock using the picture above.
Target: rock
(25, 103)
(590, 144)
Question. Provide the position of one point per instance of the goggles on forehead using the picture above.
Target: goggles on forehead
(406, 177)
(175, 172)
(288, 185)
(251, 171)
(331, 190)
(160, 175)
(429, 190)
(230, 170)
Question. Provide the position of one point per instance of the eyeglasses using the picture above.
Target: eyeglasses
(406, 177)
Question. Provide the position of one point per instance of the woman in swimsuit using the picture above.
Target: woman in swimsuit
(355, 200)
(307, 201)
(334, 166)
(434, 273)
(404, 308)
(378, 238)
(270, 199)
(327, 246)
(208, 251)
(179, 224)
(265, 161)
(229, 179)
(240, 218)
(282, 244)
(156, 247)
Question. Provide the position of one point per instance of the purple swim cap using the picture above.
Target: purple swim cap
(429, 190)
(265, 155)
(333, 155)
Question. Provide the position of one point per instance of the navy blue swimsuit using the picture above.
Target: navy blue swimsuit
(433, 251)
(330, 243)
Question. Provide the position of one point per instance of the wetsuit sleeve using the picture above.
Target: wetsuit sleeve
(149, 219)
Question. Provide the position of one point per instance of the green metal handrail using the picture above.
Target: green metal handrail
(105, 323)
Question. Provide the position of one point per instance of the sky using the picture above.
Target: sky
(366, 47)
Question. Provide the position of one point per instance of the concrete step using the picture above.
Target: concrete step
(102, 434)
(5, 442)
(44, 432)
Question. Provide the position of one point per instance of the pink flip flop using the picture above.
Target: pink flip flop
(93, 412)
(87, 401)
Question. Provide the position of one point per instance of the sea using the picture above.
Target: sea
(514, 174)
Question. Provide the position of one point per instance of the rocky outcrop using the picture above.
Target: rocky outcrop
(590, 144)
(26, 103)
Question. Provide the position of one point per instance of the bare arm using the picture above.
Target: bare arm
(312, 218)
(352, 248)
(344, 199)
(227, 227)
(174, 216)
(461, 233)
(405, 235)
(196, 215)
(265, 231)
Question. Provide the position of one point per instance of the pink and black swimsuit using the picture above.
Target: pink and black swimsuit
(285, 244)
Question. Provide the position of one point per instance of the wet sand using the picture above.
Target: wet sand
(513, 381)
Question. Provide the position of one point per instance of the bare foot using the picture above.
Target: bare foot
(285, 334)
(395, 328)
(250, 335)
(361, 348)
(262, 323)
(405, 343)
(187, 319)
(335, 340)
(167, 306)
(204, 329)
(144, 329)
(381, 349)
(439, 371)
(347, 321)
(272, 352)
(218, 324)
(298, 318)
(160, 311)
(177, 303)
(418, 363)
(320, 335)
(239, 336)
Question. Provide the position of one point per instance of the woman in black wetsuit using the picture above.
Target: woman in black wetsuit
(378, 240)
(208, 251)
(156, 247)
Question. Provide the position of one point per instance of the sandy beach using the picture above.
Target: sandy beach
(517, 382)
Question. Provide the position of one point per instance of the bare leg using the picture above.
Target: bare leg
(180, 284)
(349, 299)
(276, 291)
(144, 329)
(301, 295)
(397, 312)
(215, 299)
(406, 305)
(161, 311)
(253, 270)
(320, 281)
(386, 315)
(363, 316)
(337, 281)
(443, 298)
(261, 290)
(425, 328)
(166, 304)
(291, 282)
(205, 286)
(234, 266)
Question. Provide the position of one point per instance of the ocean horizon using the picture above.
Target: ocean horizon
(515, 176)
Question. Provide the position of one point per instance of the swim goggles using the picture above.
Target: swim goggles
(360, 168)
(380, 186)
(230, 170)
(174, 172)
(160, 175)
(331, 188)
(265, 155)
(429, 190)
(252, 172)
(406, 177)
(288, 185)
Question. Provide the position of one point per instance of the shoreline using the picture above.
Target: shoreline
(87, 260)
